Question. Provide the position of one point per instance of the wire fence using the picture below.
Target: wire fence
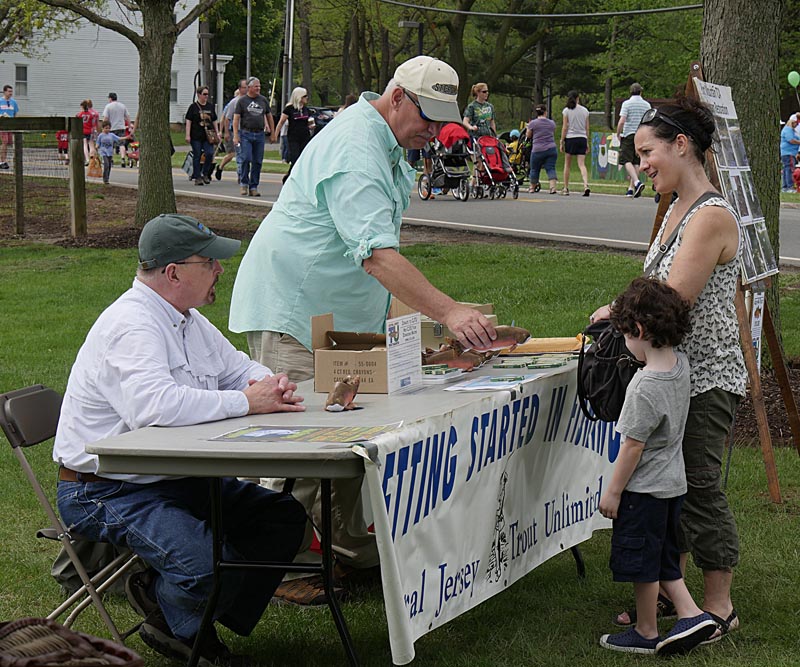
(37, 183)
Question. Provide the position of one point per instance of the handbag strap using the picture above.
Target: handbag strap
(663, 249)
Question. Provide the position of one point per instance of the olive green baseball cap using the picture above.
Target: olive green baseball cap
(171, 238)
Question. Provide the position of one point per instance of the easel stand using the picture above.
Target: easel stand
(746, 340)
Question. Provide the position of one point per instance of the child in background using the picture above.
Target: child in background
(106, 141)
(62, 137)
(796, 175)
(647, 487)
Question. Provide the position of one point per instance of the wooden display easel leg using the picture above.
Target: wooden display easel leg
(757, 398)
(782, 375)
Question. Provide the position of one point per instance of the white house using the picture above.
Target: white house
(93, 61)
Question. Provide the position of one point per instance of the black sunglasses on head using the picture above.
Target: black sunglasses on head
(652, 114)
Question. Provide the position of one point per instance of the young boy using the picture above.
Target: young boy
(648, 484)
(105, 147)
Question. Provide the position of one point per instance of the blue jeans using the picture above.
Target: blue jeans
(787, 161)
(198, 148)
(238, 150)
(546, 159)
(252, 146)
(167, 524)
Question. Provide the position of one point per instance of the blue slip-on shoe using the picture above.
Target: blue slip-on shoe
(637, 190)
(686, 634)
(629, 641)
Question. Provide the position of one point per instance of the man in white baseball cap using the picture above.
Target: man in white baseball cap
(330, 244)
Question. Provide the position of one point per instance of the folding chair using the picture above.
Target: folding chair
(28, 417)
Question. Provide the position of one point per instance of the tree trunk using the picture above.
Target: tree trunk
(345, 65)
(751, 70)
(156, 194)
(304, 18)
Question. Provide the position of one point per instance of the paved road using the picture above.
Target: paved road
(608, 220)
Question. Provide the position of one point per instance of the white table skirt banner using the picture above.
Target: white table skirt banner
(467, 503)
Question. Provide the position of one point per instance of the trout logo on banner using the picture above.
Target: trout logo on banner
(498, 550)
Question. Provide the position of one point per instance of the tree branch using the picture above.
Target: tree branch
(129, 5)
(93, 17)
(186, 21)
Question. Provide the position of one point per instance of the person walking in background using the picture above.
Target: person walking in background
(575, 139)
(300, 122)
(629, 117)
(8, 108)
(252, 122)
(116, 113)
(89, 117)
(349, 100)
(200, 118)
(106, 141)
(789, 143)
(542, 132)
(226, 123)
(479, 121)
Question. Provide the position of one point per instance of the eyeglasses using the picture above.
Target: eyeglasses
(205, 93)
(652, 114)
(419, 108)
(209, 260)
(484, 91)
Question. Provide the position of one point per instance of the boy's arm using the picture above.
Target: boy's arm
(629, 454)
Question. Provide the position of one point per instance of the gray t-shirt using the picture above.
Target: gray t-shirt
(656, 405)
(116, 113)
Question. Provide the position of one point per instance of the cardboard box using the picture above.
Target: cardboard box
(384, 366)
(433, 332)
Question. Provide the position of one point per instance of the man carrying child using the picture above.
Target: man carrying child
(648, 484)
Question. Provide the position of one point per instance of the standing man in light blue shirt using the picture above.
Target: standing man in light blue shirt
(330, 244)
(10, 108)
(789, 143)
(630, 115)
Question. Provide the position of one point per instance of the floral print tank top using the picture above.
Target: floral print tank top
(712, 346)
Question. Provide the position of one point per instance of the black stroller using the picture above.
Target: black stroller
(449, 164)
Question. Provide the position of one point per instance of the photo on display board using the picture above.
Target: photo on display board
(736, 180)
(737, 144)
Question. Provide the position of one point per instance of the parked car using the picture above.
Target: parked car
(322, 116)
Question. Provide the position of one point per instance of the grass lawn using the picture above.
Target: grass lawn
(50, 296)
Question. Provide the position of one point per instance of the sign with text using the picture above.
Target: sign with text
(467, 503)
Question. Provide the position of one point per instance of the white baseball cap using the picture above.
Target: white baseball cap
(434, 83)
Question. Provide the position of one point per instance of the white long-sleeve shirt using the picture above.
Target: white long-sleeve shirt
(144, 363)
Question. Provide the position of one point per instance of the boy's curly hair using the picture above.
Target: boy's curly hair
(662, 312)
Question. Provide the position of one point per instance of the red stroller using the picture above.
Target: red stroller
(494, 176)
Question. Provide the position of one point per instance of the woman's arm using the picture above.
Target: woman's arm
(564, 128)
(283, 119)
(711, 238)
(188, 131)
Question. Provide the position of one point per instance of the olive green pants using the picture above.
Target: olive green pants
(707, 523)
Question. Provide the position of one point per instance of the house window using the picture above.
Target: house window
(173, 86)
(21, 81)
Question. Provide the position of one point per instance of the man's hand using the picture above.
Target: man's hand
(609, 505)
(275, 393)
(602, 313)
(473, 329)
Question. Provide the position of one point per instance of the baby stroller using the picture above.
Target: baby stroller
(133, 152)
(449, 164)
(519, 153)
(493, 176)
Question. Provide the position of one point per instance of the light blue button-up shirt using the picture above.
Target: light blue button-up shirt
(345, 197)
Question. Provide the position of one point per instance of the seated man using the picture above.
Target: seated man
(152, 360)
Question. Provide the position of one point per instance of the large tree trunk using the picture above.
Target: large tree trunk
(751, 70)
(156, 194)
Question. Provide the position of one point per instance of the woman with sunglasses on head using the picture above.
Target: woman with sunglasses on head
(575, 139)
(702, 264)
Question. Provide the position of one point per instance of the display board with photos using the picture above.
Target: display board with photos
(736, 181)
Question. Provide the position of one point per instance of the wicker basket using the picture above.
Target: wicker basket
(39, 642)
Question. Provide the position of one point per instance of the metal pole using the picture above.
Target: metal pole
(249, 28)
(419, 38)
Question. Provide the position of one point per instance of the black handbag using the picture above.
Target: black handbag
(604, 371)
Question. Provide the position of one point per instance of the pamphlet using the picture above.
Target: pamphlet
(336, 434)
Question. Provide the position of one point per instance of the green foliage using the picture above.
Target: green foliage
(26, 26)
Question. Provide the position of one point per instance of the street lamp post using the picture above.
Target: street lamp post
(414, 24)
